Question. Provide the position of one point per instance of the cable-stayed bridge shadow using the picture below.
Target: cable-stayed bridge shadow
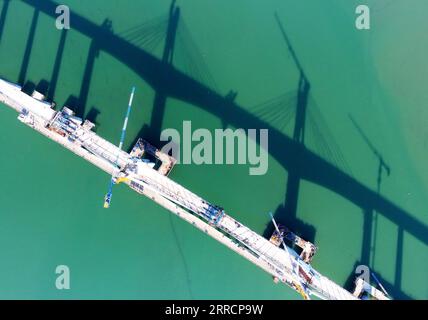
(309, 122)
(298, 160)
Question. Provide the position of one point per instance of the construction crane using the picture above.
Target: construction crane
(113, 180)
(380, 284)
(300, 287)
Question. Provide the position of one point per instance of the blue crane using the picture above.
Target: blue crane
(107, 198)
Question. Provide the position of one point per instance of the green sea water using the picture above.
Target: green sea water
(51, 201)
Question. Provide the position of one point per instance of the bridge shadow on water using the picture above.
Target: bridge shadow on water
(3, 16)
(169, 82)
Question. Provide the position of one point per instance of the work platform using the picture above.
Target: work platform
(162, 162)
(141, 172)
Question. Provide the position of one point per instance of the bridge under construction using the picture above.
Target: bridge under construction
(63, 127)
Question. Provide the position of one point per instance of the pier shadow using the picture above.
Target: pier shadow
(57, 65)
(3, 16)
(366, 246)
(29, 47)
(72, 102)
(80, 106)
(159, 103)
(93, 54)
(28, 87)
(398, 263)
(297, 159)
(93, 115)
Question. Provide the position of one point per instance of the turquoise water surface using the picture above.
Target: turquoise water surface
(51, 201)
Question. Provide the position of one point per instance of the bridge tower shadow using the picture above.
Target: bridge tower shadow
(57, 66)
(152, 131)
(287, 212)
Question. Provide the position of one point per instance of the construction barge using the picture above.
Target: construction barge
(145, 170)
